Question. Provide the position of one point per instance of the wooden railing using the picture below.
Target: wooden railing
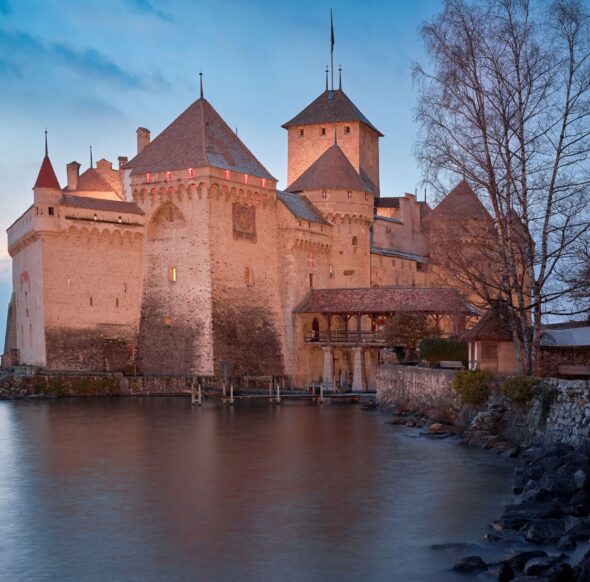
(345, 337)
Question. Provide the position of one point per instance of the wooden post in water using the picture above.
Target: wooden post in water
(321, 392)
(200, 394)
(192, 391)
(270, 389)
(278, 400)
(231, 393)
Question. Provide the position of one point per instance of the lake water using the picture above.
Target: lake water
(152, 489)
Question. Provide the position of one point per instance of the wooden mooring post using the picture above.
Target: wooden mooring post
(231, 394)
(278, 398)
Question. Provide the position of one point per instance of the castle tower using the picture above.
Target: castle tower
(337, 190)
(210, 294)
(311, 133)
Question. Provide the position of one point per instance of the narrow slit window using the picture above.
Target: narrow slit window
(172, 275)
(51, 211)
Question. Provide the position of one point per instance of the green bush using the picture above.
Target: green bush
(520, 389)
(434, 350)
(473, 387)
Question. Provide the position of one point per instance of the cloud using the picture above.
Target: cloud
(84, 61)
(147, 7)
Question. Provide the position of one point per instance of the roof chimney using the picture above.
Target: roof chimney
(104, 165)
(73, 169)
(143, 138)
(122, 161)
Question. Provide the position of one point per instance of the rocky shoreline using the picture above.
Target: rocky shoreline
(549, 516)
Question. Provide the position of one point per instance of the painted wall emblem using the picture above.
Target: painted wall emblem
(244, 221)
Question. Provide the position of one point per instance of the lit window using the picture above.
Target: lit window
(168, 176)
(246, 178)
(227, 174)
(148, 177)
(264, 182)
(191, 172)
(172, 274)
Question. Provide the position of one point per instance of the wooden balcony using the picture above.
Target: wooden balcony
(346, 338)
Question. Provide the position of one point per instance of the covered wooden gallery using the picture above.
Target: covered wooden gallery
(342, 330)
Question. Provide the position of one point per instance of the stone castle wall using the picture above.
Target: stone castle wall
(175, 331)
(247, 318)
(92, 293)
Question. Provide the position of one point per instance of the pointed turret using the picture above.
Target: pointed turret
(46, 177)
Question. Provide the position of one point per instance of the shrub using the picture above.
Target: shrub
(434, 350)
(520, 389)
(473, 387)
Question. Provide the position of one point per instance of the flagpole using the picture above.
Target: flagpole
(332, 47)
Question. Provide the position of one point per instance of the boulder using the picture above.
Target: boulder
(566, 544)
(544, 531)
(538, 566)
(519, 560)
(560, 483)
(583, 568)
(470, 564)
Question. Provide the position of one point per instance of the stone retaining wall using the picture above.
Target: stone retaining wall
(97, 384)
(425, 390)
(558, 413)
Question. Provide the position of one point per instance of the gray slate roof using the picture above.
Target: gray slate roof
(330, 107)
(197, 138)
(300, 207)
(573, 337)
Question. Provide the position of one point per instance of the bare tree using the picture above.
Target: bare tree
(505, 103)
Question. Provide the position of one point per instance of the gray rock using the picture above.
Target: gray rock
(544, 531)
(567, 543)
(519, 560)
(470, 564)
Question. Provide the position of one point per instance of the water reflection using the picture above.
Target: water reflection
(150, 489)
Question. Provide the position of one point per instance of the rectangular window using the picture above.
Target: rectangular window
(51, 211)
(172, 274)
(310, 280)
(301, 133)
(323, 131)
(347, 129)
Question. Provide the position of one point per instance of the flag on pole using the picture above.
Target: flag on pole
(331, 31)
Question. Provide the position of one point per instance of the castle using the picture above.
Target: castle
(187, 259)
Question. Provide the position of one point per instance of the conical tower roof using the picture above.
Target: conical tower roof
(460, 202)
(332, 170)
(197, 138)
(332, 106)
(46, 177)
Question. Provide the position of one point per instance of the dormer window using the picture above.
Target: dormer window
(148, 178)
(168, 176)
(323, 131)
(191, 172)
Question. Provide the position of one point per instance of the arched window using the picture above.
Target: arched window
(355, 241)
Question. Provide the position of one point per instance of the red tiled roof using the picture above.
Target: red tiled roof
(332, 170)
(460, 203)
(197, 138)
(384, 300)
(330, 107)
(46, 177)
(75, 201)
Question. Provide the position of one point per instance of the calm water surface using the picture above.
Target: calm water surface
(150, 489)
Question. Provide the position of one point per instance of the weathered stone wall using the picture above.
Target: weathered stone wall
(246, 305)
(558, 413)
(175, 333)
(418, 389)
(92, 290)
(89, 384)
